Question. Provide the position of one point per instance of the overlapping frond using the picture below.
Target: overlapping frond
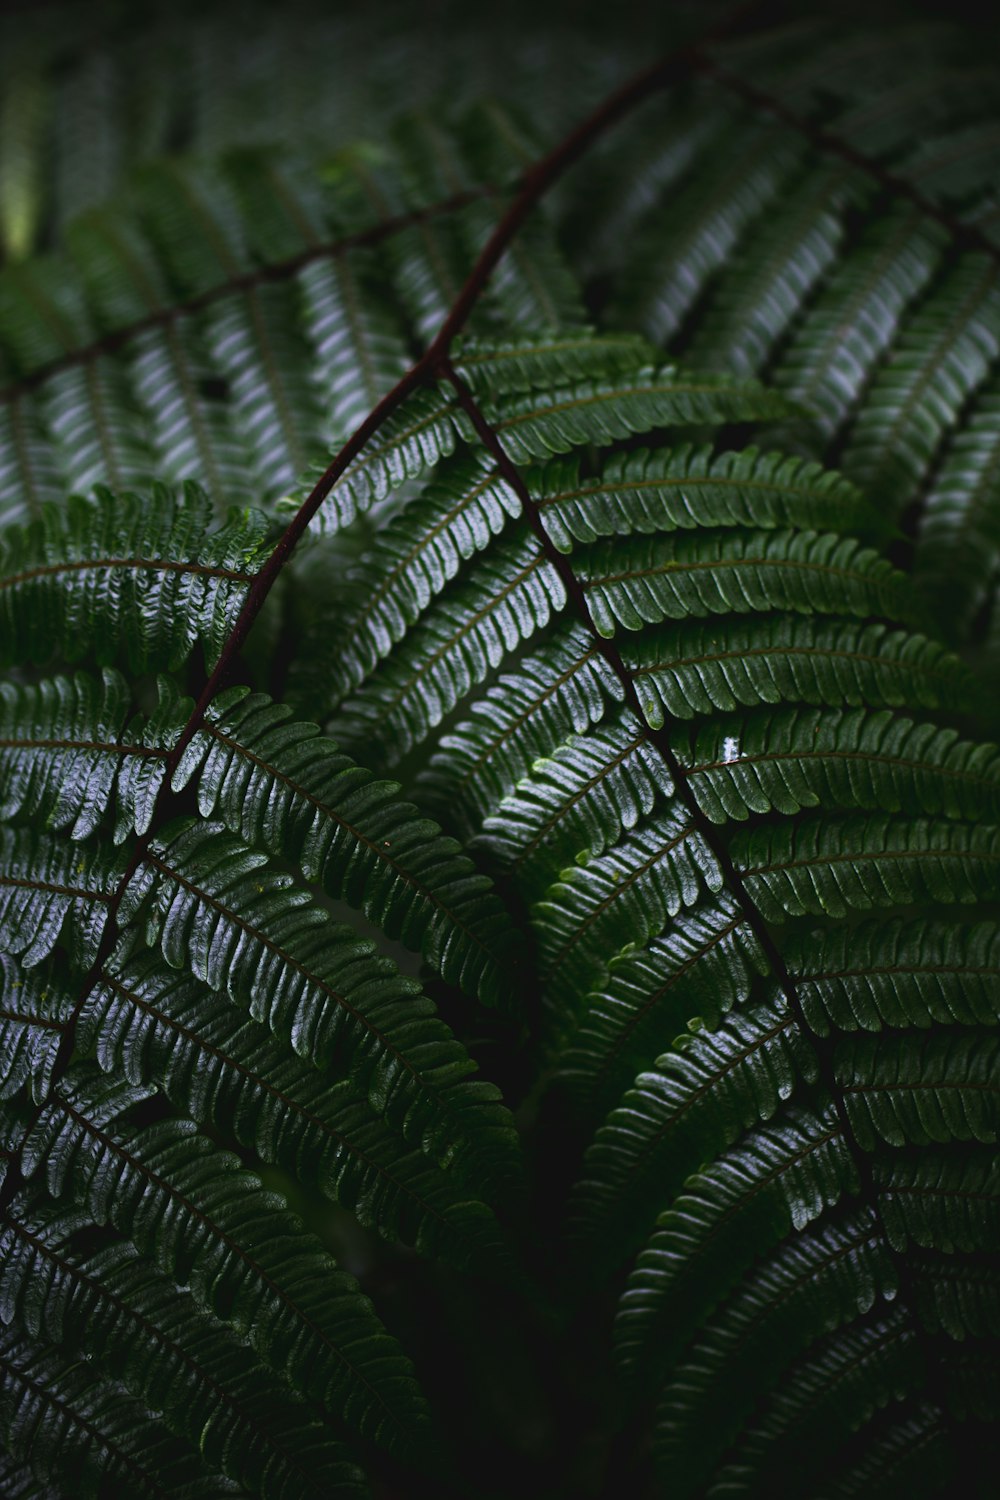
(691, 808)
(139, 578)
(833, 231)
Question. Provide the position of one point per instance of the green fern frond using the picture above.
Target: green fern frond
(628, 496)
(213, 908)
(229, 1072)
(637, 584)
(52, 890)
(711, 1086)
(137, 579)
(465, 635)
(731, 1214)
(101, 1435)
(66, 753)
(554, 694)
(210, 1227)
(824, 1277)
(288, 790)
(690, 487)
(411, 561)
(118, 1308)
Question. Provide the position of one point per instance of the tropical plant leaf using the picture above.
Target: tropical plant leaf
(606, 1103)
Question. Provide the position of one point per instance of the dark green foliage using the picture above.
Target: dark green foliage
(607, 1103)
(132, 578)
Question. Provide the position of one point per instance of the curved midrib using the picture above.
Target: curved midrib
(636, 1017)
(161, 1337)
(833, 338)
(729, 1064)
(104, 1441)
(286, 1100)
(467, 627)
(560, 810)
(686, 240)
(596, 912)
(103, 564)
(119, 1148)
(832, 1256)
(385, 582)
(732, 1211)
(889, 440)
(401, 873)
(907, 763)
(421, 1084)
(397, 438)
(546, 693)
(886, 1336)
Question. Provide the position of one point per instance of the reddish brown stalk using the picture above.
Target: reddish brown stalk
(279, 270)
(733, 876)
(534, 184)
(964, 236)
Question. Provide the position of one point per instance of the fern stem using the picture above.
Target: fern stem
(965, 236)
(534, 184)
(708, 831)
(274, 271)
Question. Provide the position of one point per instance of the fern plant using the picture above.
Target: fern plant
(498, 922)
